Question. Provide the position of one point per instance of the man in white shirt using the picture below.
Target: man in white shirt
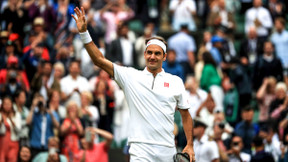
(152, 96)
(258, 17)
(73, 84)
(205, 150)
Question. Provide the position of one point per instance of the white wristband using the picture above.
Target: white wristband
(85, 37)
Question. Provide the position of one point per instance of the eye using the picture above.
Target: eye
(157, 53)
(149, 52)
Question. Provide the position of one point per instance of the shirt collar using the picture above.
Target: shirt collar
(149, 73)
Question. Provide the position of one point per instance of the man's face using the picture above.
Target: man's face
(247, 115)
(257, 3)
(74, 69)
(268, 48)
(53, 144)
(278, 25)
(154, 58)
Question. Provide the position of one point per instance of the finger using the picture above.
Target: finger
(77, 11)
(74, 17)
(83, 11)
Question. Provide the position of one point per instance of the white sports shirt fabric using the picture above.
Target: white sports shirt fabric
(152, 102)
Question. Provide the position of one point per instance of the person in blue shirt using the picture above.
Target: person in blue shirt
(42, 121)
(172, 66)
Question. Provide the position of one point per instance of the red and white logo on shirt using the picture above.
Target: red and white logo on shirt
(166, 84)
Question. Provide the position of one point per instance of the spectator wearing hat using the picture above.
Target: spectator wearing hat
(217, 45)
(13, 64)
(3, 41)
(246, 129)
(184, 46)
(205, 150)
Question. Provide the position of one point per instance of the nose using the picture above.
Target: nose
(153, 56)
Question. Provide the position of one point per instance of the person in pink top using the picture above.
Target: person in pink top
(112, 18)
(94, 152)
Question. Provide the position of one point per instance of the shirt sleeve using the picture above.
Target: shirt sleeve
(182, 99)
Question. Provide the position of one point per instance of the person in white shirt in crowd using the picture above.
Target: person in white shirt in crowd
(271, 140)
(152, 96)
(73, 84)
(205, 150)
(182, 13)
(280, 40)
(235, 153)
(196, 95)
(259, 17)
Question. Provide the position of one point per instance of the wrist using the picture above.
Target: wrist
(85, 37)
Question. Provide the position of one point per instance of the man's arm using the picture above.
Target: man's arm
(188, 128)
(96, 56)
(105, 134)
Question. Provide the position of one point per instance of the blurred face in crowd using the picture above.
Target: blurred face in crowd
(191, 84)
(271, 85)
(38, 50)
(198, 131)
(47, 69)
(218, 129)
(85, 99)
(154, 58)
(257, 3)
(21, 99)
(221, 4)
(10, 49)
(74, 69)
(7, 105)
(268, 48)
(171, 56)
(115, 7)
(58, 72)
(207, 36)
(280, 93)
(25, 154)
(226, 84)
(279, 26)
(247, 115)
(55, 97)
(123, 31)
(101, 87)
(236, 143)
(72, 111)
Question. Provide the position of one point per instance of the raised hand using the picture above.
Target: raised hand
(80, 20)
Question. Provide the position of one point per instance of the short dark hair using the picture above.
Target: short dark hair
(281, 20)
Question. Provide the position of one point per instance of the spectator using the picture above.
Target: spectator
(112, 19)
(14, 17)
(218, 130)
(94, 152)
(42, 121)
(280, 39)
(184, 46)
(9, 50)
(3, 40)
(43, 81)
(276, 108)
(182, 13)
(213, 84)
(24, 154)
(172, 66)
(19, 106)
(221, 17)
(122, 50)
(71, 130)
(260, 18)
(276, 8)
(267, 65)
(196, 95)
(265, 95)
(105, 105)
(205, 150)
(246, 129)
(53, 152)
(73, 84)
(251, 48)
(11, 86)
(54, 105)
(260, 155)
(284, 152)
(140, 44)
(216, 50)
(10, 123)
(231, 101)
(31, 59)
(235, 153)
(270, 140)
(89, 114)
(44, 10)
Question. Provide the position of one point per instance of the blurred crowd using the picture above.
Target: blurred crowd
(231, 55)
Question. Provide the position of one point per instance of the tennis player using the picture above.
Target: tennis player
(152, 96)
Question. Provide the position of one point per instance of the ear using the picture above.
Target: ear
(164, 56)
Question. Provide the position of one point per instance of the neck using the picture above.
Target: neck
(199, 137)
(74, 77)
(154, 72)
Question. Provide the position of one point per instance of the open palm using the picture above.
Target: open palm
(80, 20)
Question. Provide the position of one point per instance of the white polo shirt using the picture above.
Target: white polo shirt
(152, 102)
(205, 150)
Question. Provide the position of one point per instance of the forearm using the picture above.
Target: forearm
(55, 122)
(191, 58)
(105, 134)
(187, 126)
(30, 117)
(261, 92)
